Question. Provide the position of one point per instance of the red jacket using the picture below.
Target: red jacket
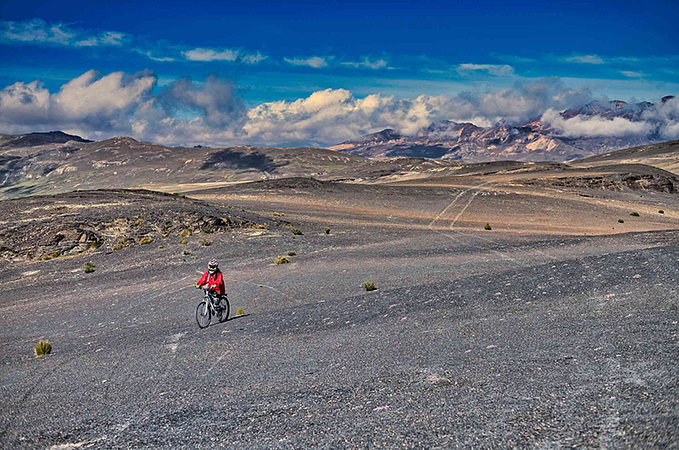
(215, 282)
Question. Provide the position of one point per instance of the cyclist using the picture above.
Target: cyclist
(213, 279)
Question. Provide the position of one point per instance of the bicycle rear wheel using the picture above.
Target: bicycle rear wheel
(226, 309)
(203, 315)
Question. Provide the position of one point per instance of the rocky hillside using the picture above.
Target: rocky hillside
(36, 139)
(45, 227)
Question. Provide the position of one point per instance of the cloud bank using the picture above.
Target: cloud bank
(188, 113)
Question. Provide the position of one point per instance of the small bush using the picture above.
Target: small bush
(262, 226)
(89, 267)
(185, 233)
(660, 211)
(240, 312)
(160, 247)
(43, 348)
(145, 240)
(205, 243)
(183, 242)
(291, 253)
(208, 229)
(369, 286)
(634, 214)
(621, 221)
(297, 232)
(487, 227)
(186, 252)
(49, 256)
(281, 260)
(327, 230)
(276, 214)
(95, 245)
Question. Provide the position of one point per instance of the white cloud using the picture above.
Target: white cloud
(585, 59)
(214, 98)
(88, 96)
(253, 58)
(331, 116)
(105, 38)
(595, 126)
(632, 74)
(206, 54)
(367, 64)
(150, 56)
(316, 62)
(24, 103)
(87, 101)
(666, 114)
(499, 70)
(39, 32)
(210, 112)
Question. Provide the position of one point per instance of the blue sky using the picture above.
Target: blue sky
(259, 54)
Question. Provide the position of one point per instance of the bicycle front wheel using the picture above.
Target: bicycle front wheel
(203, 315)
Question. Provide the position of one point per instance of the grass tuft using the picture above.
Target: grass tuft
(145, 240)
(89, 267)
(327, 230)
(281, 260)
(634, 214)
(297, 232)
(487, 227)
(369, 286)
(205, 242)
(621, 221)
(183, 242)
(291, 253)
(185, 233)
(240, 312)
(43, 348)
(660, 211)
(186, 252)
(95, 245)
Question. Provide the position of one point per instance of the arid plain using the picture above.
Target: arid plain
(555, 327)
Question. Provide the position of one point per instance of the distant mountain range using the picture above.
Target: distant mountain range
(532, 141)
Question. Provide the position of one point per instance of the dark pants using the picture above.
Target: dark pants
(218, 298)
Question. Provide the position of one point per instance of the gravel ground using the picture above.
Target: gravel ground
(470, 340)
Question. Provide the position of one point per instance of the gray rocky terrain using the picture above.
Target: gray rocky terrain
(556, 328)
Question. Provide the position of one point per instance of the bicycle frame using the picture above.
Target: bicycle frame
(209, 297)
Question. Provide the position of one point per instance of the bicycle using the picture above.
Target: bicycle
(207, 308)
